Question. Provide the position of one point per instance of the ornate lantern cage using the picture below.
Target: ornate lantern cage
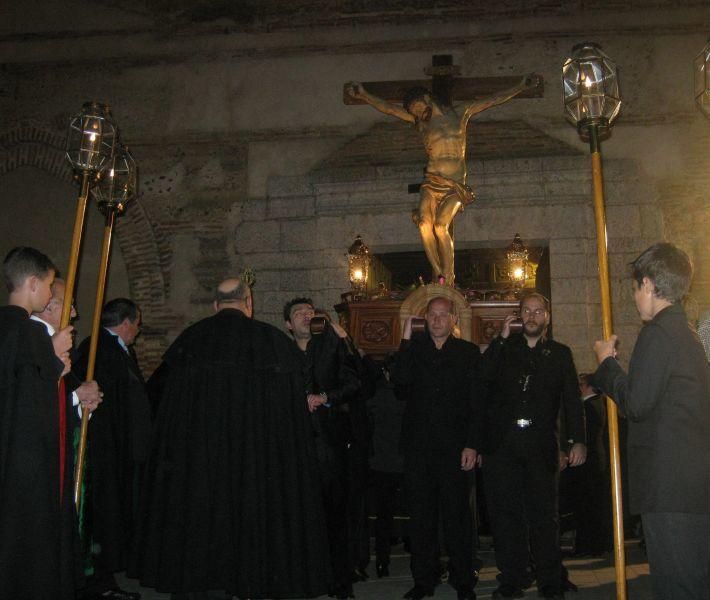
(119, 182)
(590, 89)
(517, 256)
(358, 266)
(91, 139)
(702, 80)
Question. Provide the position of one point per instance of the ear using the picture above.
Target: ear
(215, 306)
(648, 286)
(32, 282)
(289, 326)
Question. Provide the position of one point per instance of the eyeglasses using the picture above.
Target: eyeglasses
(538, 312)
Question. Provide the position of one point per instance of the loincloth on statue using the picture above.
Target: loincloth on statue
(442, 188)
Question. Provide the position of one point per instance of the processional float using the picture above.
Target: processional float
(105, 167)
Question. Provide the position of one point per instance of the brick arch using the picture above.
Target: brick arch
(145, 251)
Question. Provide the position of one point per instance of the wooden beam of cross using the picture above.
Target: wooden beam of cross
(445, 85)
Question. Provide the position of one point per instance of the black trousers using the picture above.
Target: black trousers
(521, 484)
(358, 531)
(384, 499)
(333, 467)
(678, 547)
(436, 486)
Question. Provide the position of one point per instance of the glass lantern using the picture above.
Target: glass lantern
(517, 257)
(590, 88)
(92, 135)
(119, 182)
(358, 266)
(702, 80)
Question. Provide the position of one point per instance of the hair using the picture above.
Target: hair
(413, 94)
(240, 292)
(539, 296)
(452, 304)
(23, 262)
(291, 303)
(668, 267)
(118, 310)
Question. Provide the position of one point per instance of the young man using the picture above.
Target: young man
(38, 536)
(666, 399)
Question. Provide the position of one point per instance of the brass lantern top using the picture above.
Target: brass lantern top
(358, 248)
(590, 88)
(517, 255)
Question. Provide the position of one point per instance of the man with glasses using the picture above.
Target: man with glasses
(529, 376)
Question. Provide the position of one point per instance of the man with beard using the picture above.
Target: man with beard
(529, 377)
(38, 536)
(440, 438)
(331, 384)
(444, 191)
(118, 442)
(231, 499)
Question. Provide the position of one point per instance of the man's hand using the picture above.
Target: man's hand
(62, 341)
(505, 329)
(356, 90)
(468, 459)
(605, 349)
(577, 455)
(341, 333)
(530, 81)
(564, 461)
(407, 333)
(90, 396)
(314, 401)
(66, 361)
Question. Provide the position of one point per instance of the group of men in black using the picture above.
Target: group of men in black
(241, 467)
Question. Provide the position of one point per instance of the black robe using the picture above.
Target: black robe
(231, 497)
(38, 535)
(118, 441)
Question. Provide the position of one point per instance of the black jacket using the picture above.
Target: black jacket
(443, 395)
(666, 398)
(552, 383)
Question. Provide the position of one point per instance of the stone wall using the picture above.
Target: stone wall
(238, 126)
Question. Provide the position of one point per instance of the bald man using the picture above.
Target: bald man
(232, 498)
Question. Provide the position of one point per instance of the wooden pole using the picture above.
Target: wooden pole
(95, 327)
(607, 330)
(74, 252)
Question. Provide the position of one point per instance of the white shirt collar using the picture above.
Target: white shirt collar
(50, 329)
(119, 338)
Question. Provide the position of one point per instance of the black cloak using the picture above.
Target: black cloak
(231, 497)
(38, 534)
(118, 442)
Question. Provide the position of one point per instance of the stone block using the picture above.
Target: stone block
(290, 207)
(298, 234)
(257, 236)
(297, 281)
(254, 209)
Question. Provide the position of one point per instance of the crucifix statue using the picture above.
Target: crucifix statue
(442, 127)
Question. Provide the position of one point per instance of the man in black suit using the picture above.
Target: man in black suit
(529, 376)
(332, 385)
(440, 438)
(590, 484)
(118, 445)
(666, 399)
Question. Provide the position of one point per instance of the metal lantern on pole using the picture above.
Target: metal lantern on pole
(115, 189)
(90, 144)
(592, 103)
(517, 256)
(702, 80)
(358, 266)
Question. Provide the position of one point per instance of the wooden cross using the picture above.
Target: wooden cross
(445, 86)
